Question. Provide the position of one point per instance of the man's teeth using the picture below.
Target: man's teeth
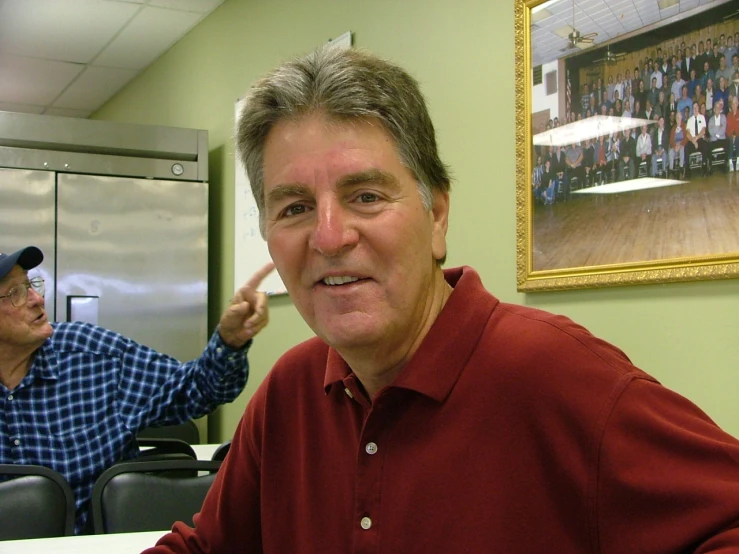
(339, 280)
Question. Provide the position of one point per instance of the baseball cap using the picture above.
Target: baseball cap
(27, 258)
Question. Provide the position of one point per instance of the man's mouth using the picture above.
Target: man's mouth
(335, 280)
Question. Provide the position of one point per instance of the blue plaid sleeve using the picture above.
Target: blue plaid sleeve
(156, 389)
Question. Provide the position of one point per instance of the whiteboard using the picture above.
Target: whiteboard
(250, 249)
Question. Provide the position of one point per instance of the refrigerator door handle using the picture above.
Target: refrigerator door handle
(83, 308)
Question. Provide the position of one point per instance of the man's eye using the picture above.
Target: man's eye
(367, 197)
(294, 210)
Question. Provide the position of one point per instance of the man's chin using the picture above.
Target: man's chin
(346, 336)
(43, 328)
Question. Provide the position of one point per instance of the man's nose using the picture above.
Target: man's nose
(334, 230)
(34, 298)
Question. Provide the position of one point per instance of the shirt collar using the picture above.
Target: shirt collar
(44, 364)
(437, 364)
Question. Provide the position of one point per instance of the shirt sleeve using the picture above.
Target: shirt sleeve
(156, 389)
(668, 476)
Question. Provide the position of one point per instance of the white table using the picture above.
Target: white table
(204, 451)
(114, 543)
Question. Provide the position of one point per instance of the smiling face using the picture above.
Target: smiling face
(25, 327)
(350, 236)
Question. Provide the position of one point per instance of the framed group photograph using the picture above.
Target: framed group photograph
(627, 137)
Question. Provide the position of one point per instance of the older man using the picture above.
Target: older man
(660, 144)
(74, 396)
(696, 128)
(643, 149)
(428, 416)
(677, 86)
(733, 87)
(724, 70)
(732, 133)
(717, 134)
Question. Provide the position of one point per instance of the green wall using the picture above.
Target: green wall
(687, 335)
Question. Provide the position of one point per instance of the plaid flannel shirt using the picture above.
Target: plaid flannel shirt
(89, 391)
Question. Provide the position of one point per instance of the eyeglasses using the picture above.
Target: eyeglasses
(19, 294)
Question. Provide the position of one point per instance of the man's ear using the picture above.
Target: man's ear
(440, 221)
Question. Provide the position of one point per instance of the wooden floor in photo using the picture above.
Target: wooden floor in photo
(692, 219)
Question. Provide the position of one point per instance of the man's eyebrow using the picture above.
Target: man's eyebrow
(279, 192)
(368, 176)
(284, 191)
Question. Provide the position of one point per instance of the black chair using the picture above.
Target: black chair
(600, 177)
(161, 448)
(661, 165)
(187, 432)
(220, 453)
(643, 170)
(695, 162)
(142, 496)
(718, 156)
(35, 502)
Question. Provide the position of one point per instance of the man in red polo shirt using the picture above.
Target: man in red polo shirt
(732, 132)
(427, 415)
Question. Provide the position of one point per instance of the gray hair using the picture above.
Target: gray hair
(345, 84)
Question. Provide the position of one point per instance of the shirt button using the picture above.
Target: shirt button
(219, 350)
(10, 397)
(366, 523)
(16, 442)
(371, 448)
(348, 392)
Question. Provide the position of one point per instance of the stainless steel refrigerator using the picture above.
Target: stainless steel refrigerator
(121, 214)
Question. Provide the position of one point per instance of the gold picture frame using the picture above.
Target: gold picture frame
(547, 240)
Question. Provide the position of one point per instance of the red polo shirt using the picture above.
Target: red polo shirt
(732, 124)
(510, 430)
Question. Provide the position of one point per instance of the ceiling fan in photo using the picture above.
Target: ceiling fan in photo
(610, 57)
(575, 38)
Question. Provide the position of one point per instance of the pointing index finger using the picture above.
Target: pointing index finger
(260, 275)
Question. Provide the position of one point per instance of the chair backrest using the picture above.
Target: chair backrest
(140, 496)
(36, 502)
(159, 446)
(220, 453)
(187, 432)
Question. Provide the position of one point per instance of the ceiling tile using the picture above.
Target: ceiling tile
(34, 81)
(147, 37)
(650, 18)
(199, 6)
(539, 15)
(64, 112)
(669, 12)
(73, 30)
(20, 108)
(560, 8)
(93, 87)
